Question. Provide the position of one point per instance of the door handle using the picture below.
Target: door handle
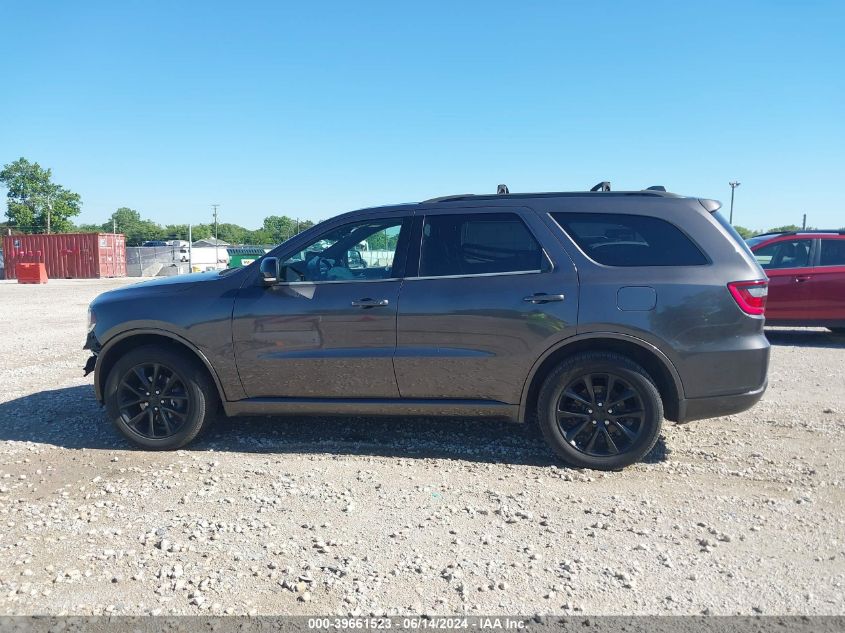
(542, 297)
(803, 278)
(369, 303)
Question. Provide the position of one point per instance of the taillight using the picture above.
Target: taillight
(750, 296)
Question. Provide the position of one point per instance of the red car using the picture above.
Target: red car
(806, 271)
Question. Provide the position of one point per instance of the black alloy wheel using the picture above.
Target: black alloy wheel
(601, 414)
(153, 400)
(160, 398)
(599, 410)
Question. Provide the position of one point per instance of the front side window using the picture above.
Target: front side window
(832, 253)
(616, 239)
(360, 251)
(784, 254)
(477, 244)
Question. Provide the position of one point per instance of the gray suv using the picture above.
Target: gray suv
(597, 313)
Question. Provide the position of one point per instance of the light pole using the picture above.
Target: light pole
(216, 255)
(734, 184)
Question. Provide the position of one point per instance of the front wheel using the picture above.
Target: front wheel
(600, 410)
(159, 399)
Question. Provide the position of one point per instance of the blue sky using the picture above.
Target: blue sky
(310, 109)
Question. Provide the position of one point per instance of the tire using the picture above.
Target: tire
(593, 419)
(187, 404)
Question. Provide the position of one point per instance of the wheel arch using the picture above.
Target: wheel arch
(658, 366)
(126, 341)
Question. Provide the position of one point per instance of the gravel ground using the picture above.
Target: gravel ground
(740, 515)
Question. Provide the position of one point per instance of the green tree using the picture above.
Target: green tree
(137, 230)
(88, 228)
(281, 227)
(745, 233)
(785, 229)
(34, 203)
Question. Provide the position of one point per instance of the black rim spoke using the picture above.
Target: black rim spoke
(142, 377)
(571, 414)
(571, 435)
(168, 385)
(155, 402)
(591, 391)
(601, 414)
(628, 433)
(592, 441)
(626, 395)
(174, 412)
(611, 447)
(577, 398)
(137, 418)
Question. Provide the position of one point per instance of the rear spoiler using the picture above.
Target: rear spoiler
(711, 205)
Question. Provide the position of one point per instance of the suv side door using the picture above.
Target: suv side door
(828, 285)
(327, 329)
(487, 291)
(788, 262)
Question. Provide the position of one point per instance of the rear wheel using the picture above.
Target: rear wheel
(159, 399)
(600, 410)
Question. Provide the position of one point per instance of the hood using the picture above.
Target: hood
(162, 285)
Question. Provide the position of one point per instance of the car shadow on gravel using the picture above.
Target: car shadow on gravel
(71, 418)
(802, 337)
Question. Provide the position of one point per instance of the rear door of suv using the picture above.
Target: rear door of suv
(487, 291)
(828, 285)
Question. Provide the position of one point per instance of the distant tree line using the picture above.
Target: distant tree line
(274, 230)
(35, 204)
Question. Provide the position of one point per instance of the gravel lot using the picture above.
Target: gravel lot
(739, 515)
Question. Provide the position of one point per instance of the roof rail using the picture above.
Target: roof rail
(502, 190)
(656, 188)
(604, 185)
(804, 231)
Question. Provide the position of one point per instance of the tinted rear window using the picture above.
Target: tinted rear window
(616, 239)
(477, 244)
(832, 253)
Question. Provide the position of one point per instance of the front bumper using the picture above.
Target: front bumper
(92, 344)
(690, 409)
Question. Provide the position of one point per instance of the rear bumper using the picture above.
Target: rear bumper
(691, 409)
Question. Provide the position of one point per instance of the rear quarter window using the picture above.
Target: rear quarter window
(616, 239)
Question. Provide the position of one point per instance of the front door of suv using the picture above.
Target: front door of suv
(328, 328)
(788, 265)
(487, 291)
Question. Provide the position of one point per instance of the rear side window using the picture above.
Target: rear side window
(784, 254)
(477, 244)
(832, 253)
(616, 239)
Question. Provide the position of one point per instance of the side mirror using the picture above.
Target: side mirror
(269, 271)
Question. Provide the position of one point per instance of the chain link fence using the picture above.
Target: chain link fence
(153, 261)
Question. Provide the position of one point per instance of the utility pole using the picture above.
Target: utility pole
(190, 251)
(216, 255)
(734, 184)
(804, 223)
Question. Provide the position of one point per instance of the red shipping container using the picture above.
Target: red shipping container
(68, 255)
